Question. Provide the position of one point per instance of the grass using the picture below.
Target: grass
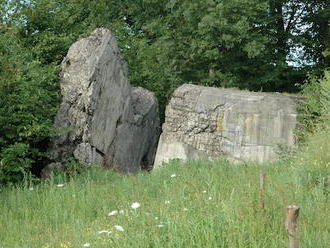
(196, 204)
(316, 150)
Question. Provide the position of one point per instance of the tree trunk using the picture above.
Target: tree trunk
(281, 47)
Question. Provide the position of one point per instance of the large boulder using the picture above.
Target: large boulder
(102, 119)
(213, 123)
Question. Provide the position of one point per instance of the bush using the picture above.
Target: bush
(316, 109)
(15, 162)
(29, 96)
(316, 123)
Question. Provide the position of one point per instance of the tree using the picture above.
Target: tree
(35, 36)
(216, 43)
(260, 45)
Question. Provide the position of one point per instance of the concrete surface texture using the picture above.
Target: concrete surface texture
(102, 119)
(213, 123)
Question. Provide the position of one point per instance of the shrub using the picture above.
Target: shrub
(316, 123)
(316, 109)
(29, 99)
(15, 162)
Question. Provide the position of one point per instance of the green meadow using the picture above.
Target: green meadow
(256, 45)
(192, 204)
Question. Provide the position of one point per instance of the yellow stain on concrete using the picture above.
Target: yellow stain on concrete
(220, 125)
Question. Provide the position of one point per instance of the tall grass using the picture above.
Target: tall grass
(194, 204)
(316, 150)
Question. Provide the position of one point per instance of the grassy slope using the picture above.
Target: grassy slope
(227, 215)
(316, 151)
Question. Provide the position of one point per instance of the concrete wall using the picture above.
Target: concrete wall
(204, 122)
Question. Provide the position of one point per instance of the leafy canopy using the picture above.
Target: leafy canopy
(261, 45)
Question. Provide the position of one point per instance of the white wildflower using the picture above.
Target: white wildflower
(204, 191)
(60, 186)
(105, 231)
(160, 225)
(114, 212)
(31, 188)
(119, 228)
(210, 198)
(167, 202)
(135, 205)
(87, 245)
(173, 175)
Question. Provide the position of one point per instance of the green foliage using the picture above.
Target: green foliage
(15, 163)
(28, 99)
(71, 169)
(35, 36)
(315, 121)
(228, 43)
(316, 39)
(316, 107)
(194, 42)
(315, 128)
(237, 43)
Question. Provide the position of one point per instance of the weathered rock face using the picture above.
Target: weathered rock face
(136, 139)
(103, 119)
(204, 122)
